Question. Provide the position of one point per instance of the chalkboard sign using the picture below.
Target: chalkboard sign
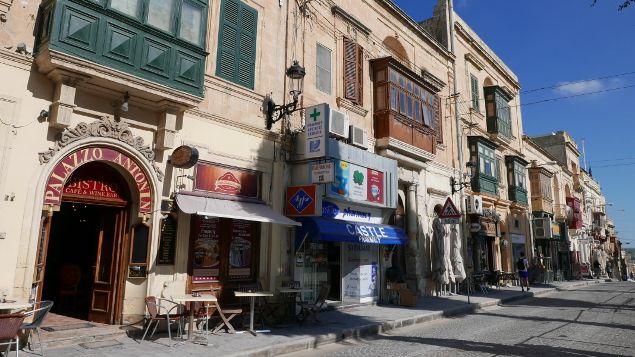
(167, 242)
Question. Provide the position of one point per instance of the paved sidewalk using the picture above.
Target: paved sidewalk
(336, 326)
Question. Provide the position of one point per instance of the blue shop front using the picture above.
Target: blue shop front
(344, 236)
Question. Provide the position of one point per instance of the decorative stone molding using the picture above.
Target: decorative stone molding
(106, 128)
(348, 105)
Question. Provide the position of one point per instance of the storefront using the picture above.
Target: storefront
(483, 233)
(341, 249)
(98, 199)
(226, 224)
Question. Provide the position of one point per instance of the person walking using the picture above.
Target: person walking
(523, 274)
(596, 269)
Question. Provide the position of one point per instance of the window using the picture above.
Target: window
(191, 20)
(323, 70)
(487, 161)
(520, 179)
(503, 111)
(353, 71)
(128, 7)
(160, 14)
(236, 57)
(475, 98)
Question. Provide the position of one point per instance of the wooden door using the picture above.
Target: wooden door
(40, 263)
(106, 269)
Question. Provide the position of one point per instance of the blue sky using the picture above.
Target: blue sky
(552, 42)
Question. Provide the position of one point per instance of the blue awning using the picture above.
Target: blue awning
(335, 230)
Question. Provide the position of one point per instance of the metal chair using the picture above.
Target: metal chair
(154, 310)
(312, 310)
(9, 326)
(38, 317)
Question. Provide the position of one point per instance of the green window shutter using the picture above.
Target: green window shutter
(236, 57)
(247, 49)
(475, 98)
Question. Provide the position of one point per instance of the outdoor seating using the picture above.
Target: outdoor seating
(226, 315)
(9, 326)
(39, 314)
(169, 316)
(312, 310)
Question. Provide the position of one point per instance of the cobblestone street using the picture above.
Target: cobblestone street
(594, 321)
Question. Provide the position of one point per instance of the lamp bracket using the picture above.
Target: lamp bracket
(275, 113)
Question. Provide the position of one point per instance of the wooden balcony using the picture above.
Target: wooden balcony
(542, 204)
(518, 195)
(392, 125)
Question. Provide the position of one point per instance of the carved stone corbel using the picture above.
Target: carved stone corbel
(61, 113)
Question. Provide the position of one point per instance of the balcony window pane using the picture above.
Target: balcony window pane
(161, 13)
(409, 107)
(402, 102)
(417, 91)
(428, 115)
(418, 111)
(402, 81)
(393, 76)
(409, 86)
(128, 7)
(191, 20)
(393, 98)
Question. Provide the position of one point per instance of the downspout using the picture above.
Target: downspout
(457, 123)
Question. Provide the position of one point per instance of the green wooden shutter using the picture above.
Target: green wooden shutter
(247, 46)
(236, 57)
(475, 98)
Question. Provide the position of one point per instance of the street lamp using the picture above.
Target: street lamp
(469, 175)
(274, 112)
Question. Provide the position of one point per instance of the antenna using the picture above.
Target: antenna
(584, 155)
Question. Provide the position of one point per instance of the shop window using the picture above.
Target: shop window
(353, 71)
(323, 69)
(236, 57)
(139, 251)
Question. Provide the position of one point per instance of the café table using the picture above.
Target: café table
(294, 292)
(13, 305)
(252, 295)
(189, 298)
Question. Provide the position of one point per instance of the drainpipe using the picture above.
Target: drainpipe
(457, 123)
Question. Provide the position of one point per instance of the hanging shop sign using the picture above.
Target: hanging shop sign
(225, 180)
(315, 119)
(351, 213)
(357, 183)
(323, 172)
(184, 157)
(301, 200)
(63, 170)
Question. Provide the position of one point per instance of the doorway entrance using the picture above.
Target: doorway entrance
(87, 246)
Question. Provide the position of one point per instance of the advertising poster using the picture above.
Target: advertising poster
(340, 185)
(357, 182)
(240, 249)
(227, 181)
(375, 186)
(206, 262)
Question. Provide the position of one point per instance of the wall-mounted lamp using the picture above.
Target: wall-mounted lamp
(124, 103)
(467, 176)
(274, 112)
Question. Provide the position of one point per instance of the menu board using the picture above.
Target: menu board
(167, 243)
(241, 249)
(206, 259)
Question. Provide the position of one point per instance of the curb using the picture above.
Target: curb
(307, 343)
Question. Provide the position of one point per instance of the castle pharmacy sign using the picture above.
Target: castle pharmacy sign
(64, 169)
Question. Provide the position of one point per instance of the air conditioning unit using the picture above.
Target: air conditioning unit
(474, 204)
(359, 137)
(542, 228)
(338, 124)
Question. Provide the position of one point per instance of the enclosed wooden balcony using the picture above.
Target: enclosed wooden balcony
(407, 113)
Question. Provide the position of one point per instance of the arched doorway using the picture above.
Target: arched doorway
(92, 241)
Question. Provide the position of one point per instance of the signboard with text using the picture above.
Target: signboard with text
(323, 173)
(301, 200)
(315, 118)
(357, 183)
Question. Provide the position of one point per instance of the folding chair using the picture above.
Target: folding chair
(38, 317)
(312, 310)
(215, 307)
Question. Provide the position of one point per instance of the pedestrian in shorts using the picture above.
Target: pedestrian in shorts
(523, 274)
